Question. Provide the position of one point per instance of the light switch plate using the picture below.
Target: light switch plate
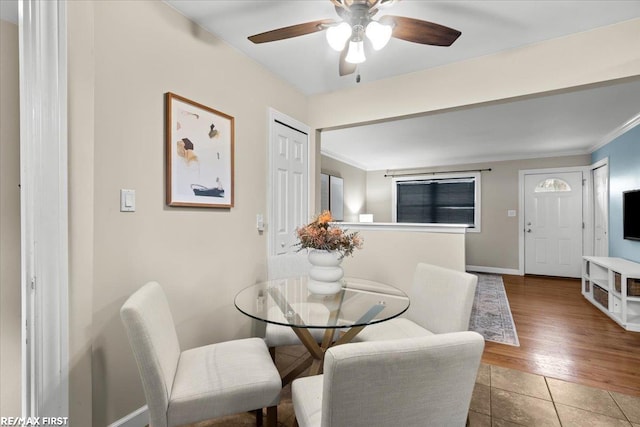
(127, 200)
(511, 212)
(260, 222)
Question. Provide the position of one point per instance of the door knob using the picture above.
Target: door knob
(528, 230)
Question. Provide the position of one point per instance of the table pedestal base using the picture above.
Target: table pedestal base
(315, 359)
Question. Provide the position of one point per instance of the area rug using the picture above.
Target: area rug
(491, 315)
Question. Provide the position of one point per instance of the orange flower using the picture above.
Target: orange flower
(325, 217)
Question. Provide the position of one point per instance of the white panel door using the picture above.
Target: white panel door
(601, 211)
(290, 186)
(553, 224)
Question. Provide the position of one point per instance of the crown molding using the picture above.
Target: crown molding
(344, 159)
(621, 130)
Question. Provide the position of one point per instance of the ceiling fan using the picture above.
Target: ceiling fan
(357, 26)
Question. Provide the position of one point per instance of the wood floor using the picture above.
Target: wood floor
(563, 336)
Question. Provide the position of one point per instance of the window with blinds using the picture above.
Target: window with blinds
(446, 200)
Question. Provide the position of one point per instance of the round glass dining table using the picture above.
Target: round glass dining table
(288, 302)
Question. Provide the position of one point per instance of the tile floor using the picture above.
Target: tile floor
(506, 397)
(502, 398)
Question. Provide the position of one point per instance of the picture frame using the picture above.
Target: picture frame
(199, 154)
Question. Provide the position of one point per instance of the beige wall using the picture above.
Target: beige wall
(588, 57)
(496, 245)
(595, 56)
(9, 222)
(355, 186)
(391, 257)
(126, 55)
(81, 119)
(379, 196)
(123, 57)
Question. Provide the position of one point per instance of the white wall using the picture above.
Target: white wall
(10, 316)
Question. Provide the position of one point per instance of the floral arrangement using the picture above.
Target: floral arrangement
(319, 234)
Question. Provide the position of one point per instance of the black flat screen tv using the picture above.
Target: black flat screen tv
(631, 214)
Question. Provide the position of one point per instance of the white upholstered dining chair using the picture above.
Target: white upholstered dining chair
(212, 381)
(441, 302)
(414, 382)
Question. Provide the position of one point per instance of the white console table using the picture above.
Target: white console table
(607, 283)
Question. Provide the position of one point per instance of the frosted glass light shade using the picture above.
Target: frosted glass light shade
(338, 35)
(378, 34)
(355, 55)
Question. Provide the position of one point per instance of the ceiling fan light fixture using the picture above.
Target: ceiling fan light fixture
(338, 35)
(355, 55)
(378, 34)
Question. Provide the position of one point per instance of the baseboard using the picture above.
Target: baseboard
(494, 270)
(138, 418)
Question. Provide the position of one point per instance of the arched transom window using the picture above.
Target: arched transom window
(552, 185)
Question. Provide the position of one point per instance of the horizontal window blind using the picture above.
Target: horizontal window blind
(436, 201)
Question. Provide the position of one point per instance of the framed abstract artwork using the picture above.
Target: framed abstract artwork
(199, 151)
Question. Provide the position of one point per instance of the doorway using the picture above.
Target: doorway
(552, 222)
(600, 179)
(289, 182)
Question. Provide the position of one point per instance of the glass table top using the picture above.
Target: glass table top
(288, 302)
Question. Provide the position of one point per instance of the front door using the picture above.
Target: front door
(553, 224)
(290, 186)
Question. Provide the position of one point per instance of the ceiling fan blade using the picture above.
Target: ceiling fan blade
(340, 4)
(292, 31)
(345, 67)
(418, 31)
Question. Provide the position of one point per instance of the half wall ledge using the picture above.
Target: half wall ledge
(395, 226)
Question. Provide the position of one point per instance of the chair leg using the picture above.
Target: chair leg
(259, 417)
(272, 416)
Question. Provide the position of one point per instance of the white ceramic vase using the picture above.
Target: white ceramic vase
(326, 273)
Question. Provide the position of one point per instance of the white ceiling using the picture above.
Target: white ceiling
(554, 125)
(565, 123)
(308, 63)
(561, 124)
